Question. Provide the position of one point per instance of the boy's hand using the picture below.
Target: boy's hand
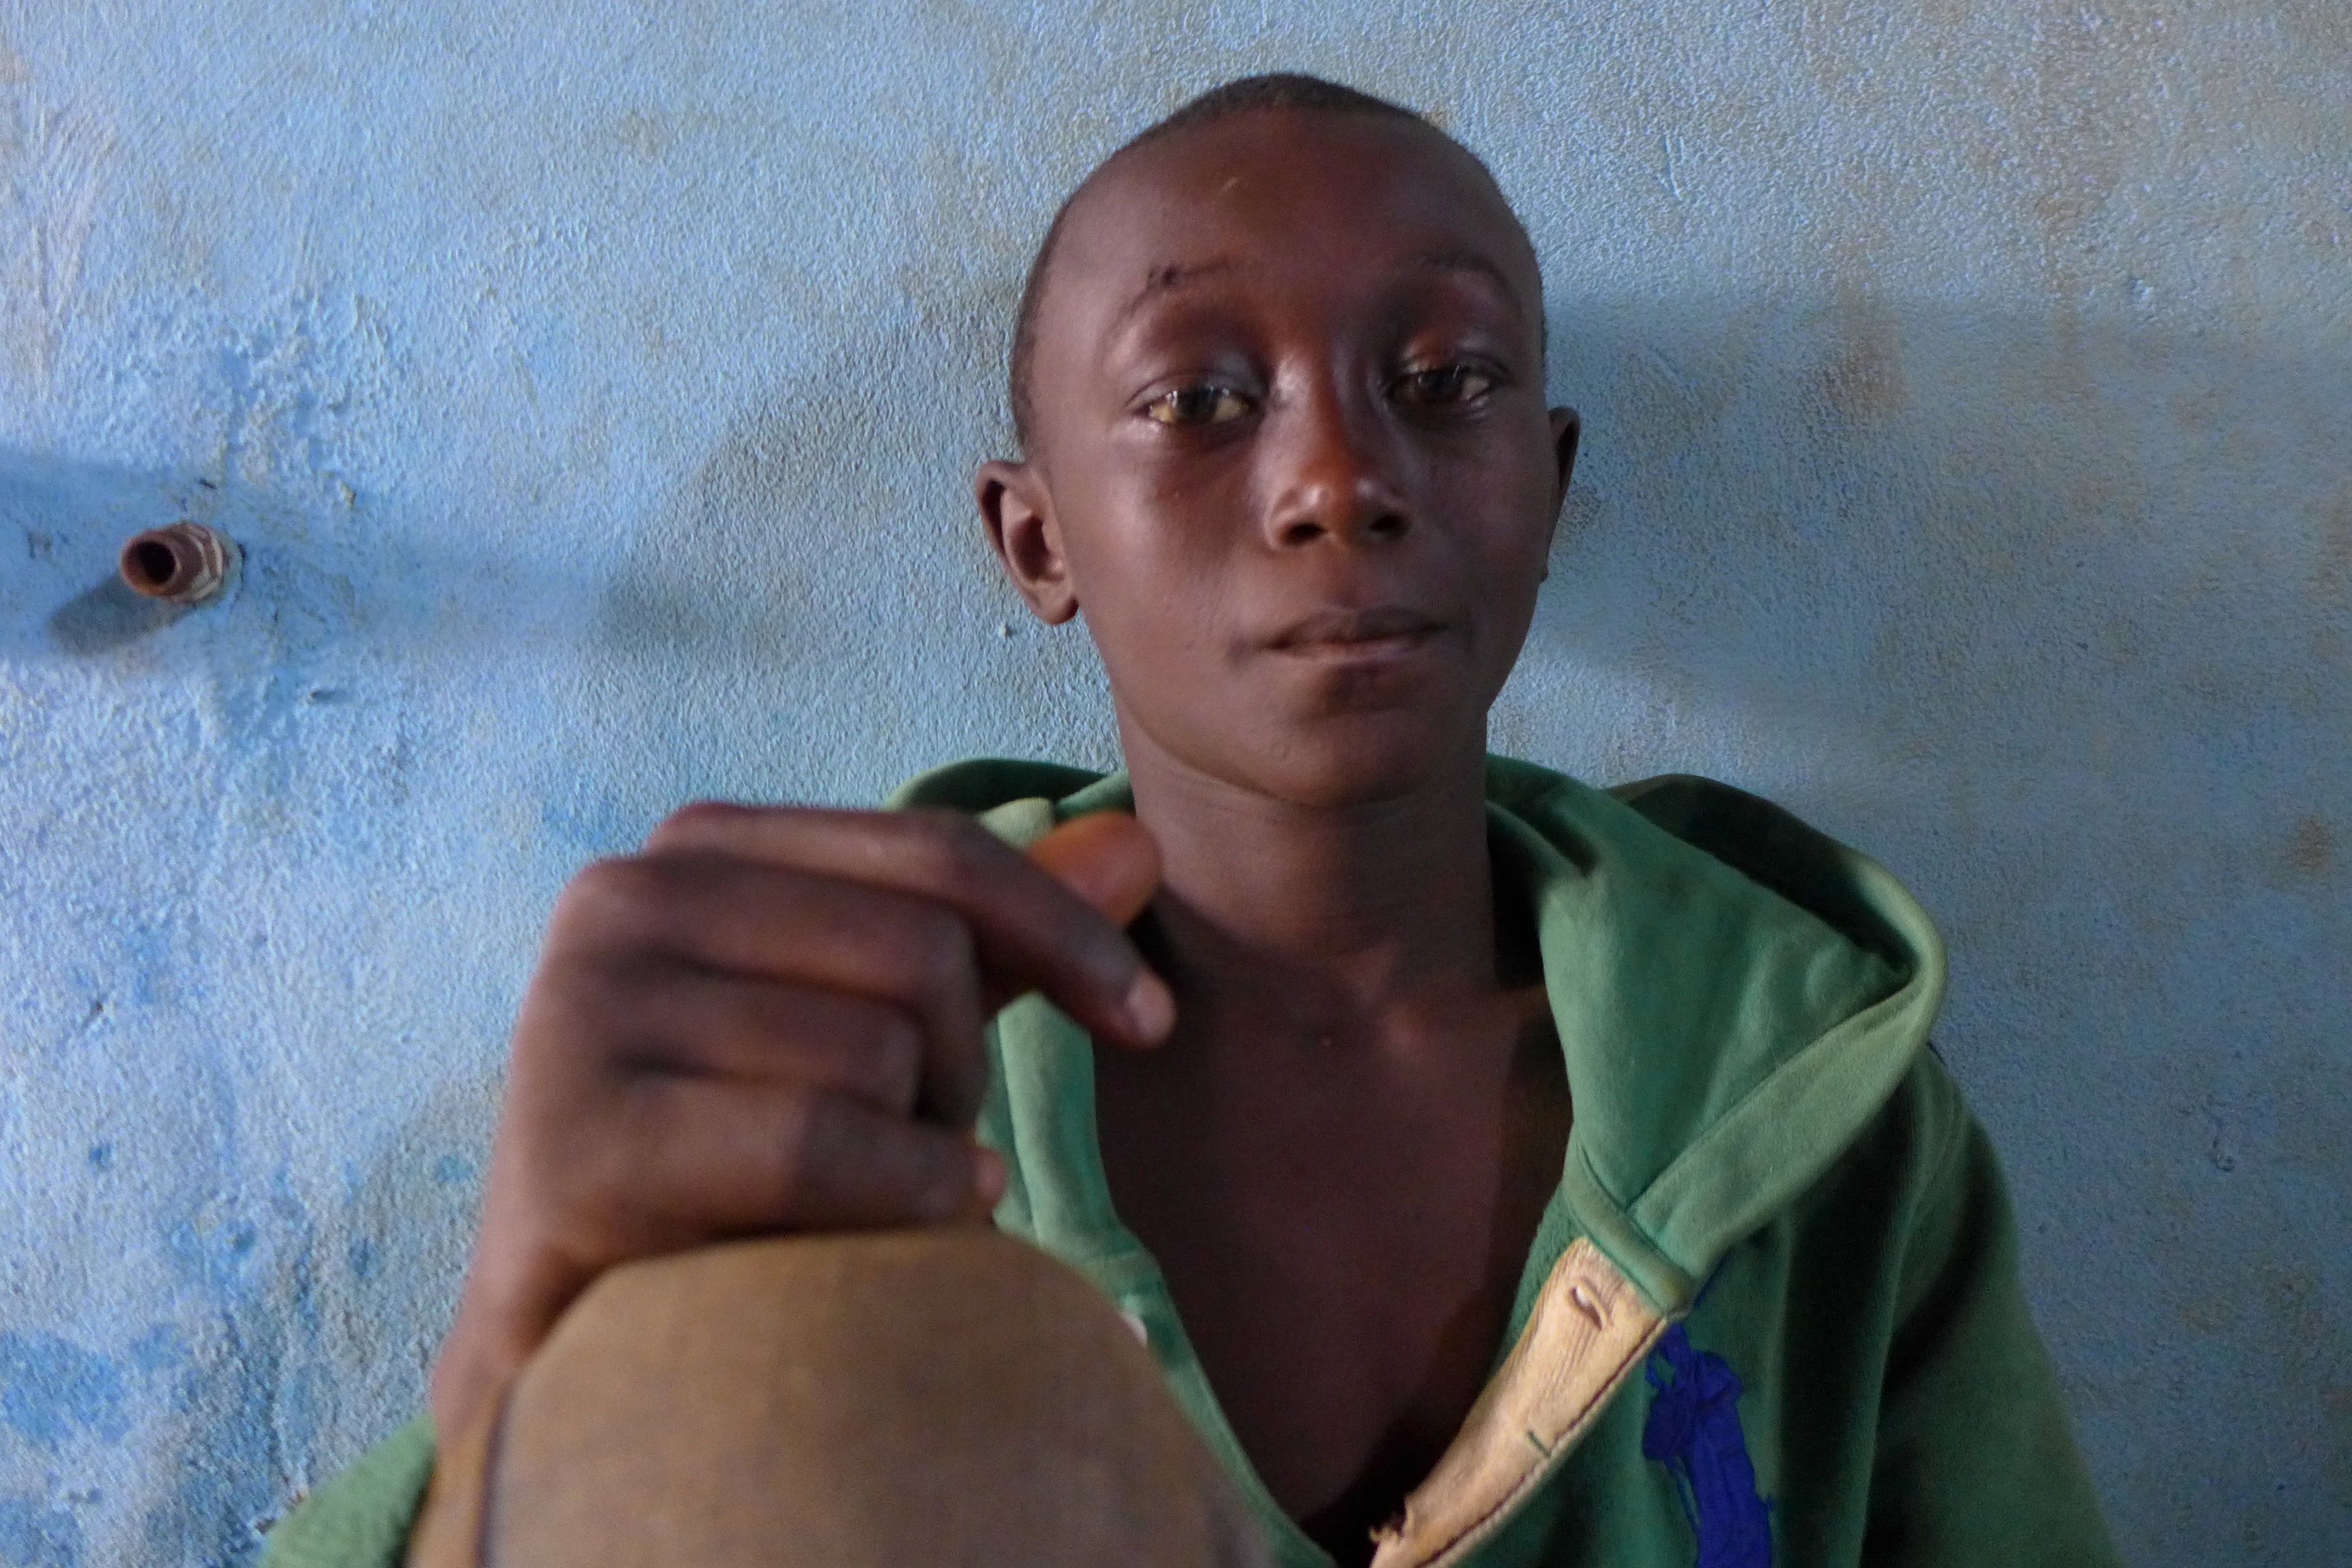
(771, 1021)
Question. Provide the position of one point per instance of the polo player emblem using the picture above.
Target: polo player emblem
(1694, 1431)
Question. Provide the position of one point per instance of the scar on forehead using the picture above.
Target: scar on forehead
(1163, 276)
(1174, 274)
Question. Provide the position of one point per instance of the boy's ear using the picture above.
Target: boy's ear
(1017, 509)
(1566, 427)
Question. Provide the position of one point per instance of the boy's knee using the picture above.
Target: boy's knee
(902, 1397)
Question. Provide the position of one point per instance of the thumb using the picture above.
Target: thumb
(1107, 859)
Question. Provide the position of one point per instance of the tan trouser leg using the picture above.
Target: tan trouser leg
(912, 1399)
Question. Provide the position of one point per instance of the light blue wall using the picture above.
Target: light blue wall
(594, 389)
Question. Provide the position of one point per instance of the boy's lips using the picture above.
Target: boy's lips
(1382, 631)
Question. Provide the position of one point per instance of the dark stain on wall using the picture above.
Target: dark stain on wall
(2331, 577)
(1863, 374)
(2311, 849)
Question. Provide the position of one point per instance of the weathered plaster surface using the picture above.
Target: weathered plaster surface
(593, 388)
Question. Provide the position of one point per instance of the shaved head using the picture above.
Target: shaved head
(1277, 93)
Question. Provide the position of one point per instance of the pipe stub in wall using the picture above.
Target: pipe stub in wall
(185, 564)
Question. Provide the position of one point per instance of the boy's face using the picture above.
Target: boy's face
(1290, 452)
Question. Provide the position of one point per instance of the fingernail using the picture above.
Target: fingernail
(988, 1175)
(1151, 1008)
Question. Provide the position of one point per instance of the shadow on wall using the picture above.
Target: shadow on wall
(1785, 506)
(2054, 612)
(1840, 516)
(107, 616)
(2056, 617)
(857, 601)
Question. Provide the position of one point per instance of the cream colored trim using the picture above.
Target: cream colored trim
(1588, 1329)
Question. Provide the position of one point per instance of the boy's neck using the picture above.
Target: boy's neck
(1332, 916)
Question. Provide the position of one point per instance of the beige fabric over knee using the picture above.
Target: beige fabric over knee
(909, 1399)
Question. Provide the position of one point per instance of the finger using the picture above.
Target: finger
(682, 1019)
(1107, 859)
(1032, 933)
(695, 1160)
(755, 921)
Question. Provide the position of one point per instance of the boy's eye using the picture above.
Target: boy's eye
(1440, 384)
(1206, 404)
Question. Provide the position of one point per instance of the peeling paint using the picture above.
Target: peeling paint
(33, 1534)
(50, 1387)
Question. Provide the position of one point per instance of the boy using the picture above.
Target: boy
(1427, 1074)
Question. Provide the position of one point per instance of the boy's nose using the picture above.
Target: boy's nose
(1330, 482)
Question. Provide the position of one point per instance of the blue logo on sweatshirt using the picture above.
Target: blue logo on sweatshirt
(1694, 1431)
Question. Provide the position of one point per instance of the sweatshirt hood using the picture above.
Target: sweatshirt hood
(1735, 994)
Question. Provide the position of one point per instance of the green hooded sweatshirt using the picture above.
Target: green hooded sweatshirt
(1771, 1314)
